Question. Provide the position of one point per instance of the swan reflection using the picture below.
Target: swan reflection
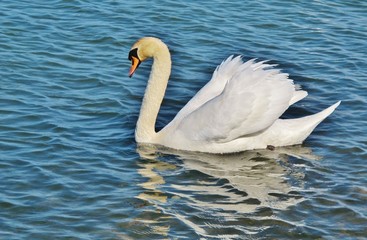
(219, 187)
(253, 179)
(148, 170)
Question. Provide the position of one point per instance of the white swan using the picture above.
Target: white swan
(237, 110)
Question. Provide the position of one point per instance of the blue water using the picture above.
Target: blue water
(69, 165)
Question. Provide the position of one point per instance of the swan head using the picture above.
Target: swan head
(143, 49)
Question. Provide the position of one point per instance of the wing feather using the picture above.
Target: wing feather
(253, 97)
(214, 87)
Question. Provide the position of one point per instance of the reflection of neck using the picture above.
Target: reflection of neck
(154, 93)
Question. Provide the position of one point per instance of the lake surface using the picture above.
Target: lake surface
(69, 165)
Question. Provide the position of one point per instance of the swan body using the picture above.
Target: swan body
(238, 109)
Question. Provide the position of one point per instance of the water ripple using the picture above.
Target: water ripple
(69, 163)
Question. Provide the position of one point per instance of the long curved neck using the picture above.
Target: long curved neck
(153, 97)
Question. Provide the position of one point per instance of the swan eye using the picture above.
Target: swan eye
(133, 53)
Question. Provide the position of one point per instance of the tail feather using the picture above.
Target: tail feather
(297, 130)
(314, 120)
(309, 123)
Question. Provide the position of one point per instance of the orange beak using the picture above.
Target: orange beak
(135, 62)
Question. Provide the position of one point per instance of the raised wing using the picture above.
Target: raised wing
(214, 87)
(254, 97)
